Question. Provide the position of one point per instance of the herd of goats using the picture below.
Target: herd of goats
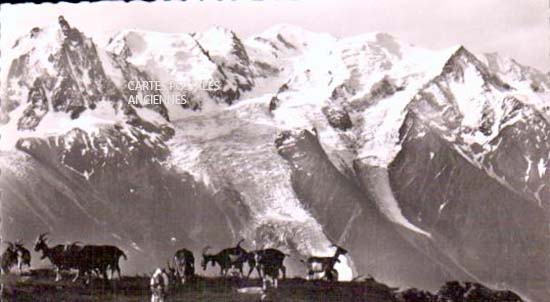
(100, 259)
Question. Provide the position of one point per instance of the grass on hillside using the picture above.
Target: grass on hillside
(42, 287)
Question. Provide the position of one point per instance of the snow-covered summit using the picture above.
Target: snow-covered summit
(311, 80)
(287, 40)
(59, 81)
(513, 71)
(56, 69)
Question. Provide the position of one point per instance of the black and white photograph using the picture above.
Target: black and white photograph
(276, 150)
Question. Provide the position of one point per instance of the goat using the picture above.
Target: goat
(114, 254)
(8, 258)
(226, 258)
(23, 256)
(184, 263)
(268, 263)
(63, 257)
(270, 275)
(266, 257)
(99, 258)
(325, 265)
(113, 265)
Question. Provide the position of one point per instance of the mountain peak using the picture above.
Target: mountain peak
(286, 28)
(63, 23)
(291, 38)
(220, 30)
(462, 59)
(56, 69)
(511, 70)
(218, 40)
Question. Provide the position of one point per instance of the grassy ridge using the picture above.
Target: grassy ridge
(39, 285)
(43, 288)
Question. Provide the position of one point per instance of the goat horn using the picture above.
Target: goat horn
(337, 246)
(240, 241)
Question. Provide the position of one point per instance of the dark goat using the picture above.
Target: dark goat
(266, 258)
(184, 263)
(325, 264)
(23, 256)
(63, 257)
(268, 263)
(99, 258)
(114, 254)
(8, 258)
(226, 258)
(270, 275)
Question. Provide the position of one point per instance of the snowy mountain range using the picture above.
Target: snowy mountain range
(426, 165)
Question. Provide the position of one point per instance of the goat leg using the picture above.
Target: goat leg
(264, 284)
(77, 276)
(105, 276)
(57, 274)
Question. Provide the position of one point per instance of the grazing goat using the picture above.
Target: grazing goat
(114, 254)
(9, 258)
(266, 257)
(99, 258)
(226, 258)
(270, 274)
(63, 257)
(268, 263)
(184, 263)
(23, 256)
(325, 265)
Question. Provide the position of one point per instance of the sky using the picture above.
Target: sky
(516, 28)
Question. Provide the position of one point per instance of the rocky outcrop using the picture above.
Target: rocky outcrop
(338, 118)
(458, 292)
